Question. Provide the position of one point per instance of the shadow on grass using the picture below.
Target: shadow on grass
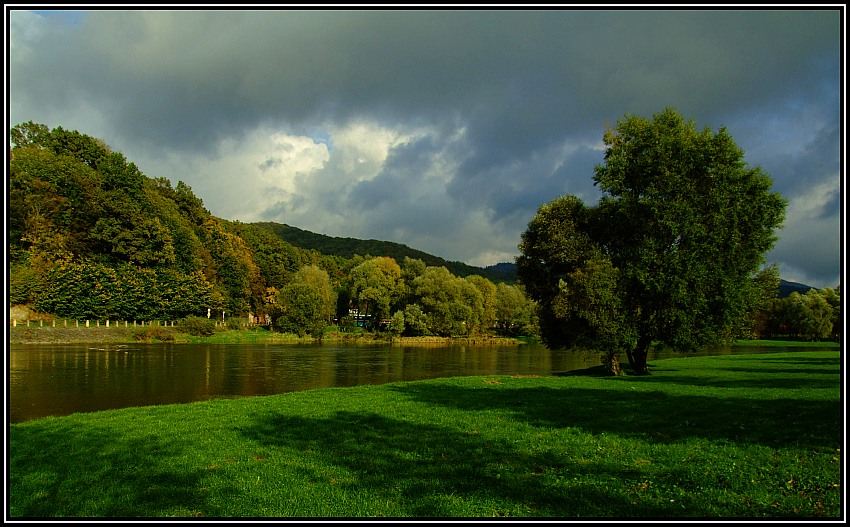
(438, 471)
(98, 473)
(651, 414)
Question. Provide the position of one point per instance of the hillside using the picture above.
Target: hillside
(348, 247)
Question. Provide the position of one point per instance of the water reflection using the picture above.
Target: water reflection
(62, 379)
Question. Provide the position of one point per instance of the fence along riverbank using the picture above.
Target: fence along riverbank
(87, 323)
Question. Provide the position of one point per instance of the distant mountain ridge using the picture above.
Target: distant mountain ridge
(348, 247)
(786, 288)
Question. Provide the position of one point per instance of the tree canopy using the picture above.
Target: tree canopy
(669, 254)
(86, 228)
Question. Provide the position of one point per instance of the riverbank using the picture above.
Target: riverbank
(746, 436)
(45, 333)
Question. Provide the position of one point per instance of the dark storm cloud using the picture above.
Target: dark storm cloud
(520, 78)
(505, 108)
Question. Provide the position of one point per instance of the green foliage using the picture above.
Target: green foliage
(96, 291)
(670, 252)
(198, 326)
(515, 312)
(237, 275)
(487, 310)
(375, 285)
(396, 326)
(307, 304)
(53, 201)
(814, 316)
(24, 284)
(411, 322)
(138, 241)
(301, 309)
(29, 134)
(765, 287)
(453, 306)
(276, 259)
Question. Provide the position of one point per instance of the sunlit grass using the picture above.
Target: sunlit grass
(788, 343)
(742, 436)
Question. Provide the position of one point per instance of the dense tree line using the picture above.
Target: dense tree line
(92, 237)
(813, 316)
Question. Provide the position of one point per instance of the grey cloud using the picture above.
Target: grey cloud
(831, 209)
(526, 74)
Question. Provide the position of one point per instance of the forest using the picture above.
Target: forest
(92, 237)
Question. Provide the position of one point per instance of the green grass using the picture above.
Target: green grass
(743, 436)
(788, 343)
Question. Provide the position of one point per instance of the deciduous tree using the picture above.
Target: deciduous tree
(670, 252)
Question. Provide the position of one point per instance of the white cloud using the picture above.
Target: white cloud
(245, 176)
(809, 206)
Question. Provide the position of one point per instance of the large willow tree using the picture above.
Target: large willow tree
(669, 254)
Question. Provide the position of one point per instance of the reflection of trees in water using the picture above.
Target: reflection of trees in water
(59, 380)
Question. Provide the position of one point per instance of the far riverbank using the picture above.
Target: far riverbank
(119, 334)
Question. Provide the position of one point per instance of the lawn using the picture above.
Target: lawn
(741, 436)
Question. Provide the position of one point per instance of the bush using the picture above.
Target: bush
(198, 326)
(234, 323)
(153, 333)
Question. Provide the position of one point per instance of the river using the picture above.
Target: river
(57, 380)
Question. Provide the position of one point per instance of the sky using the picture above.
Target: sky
(444, 130)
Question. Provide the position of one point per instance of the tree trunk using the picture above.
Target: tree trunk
(637, 356)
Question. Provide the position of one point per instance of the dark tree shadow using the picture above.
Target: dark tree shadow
(651, 414)
(140, 475)
(427, 464)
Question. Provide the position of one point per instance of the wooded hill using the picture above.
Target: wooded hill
(91, 236)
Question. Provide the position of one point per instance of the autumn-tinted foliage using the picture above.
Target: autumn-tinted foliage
(90, 236)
